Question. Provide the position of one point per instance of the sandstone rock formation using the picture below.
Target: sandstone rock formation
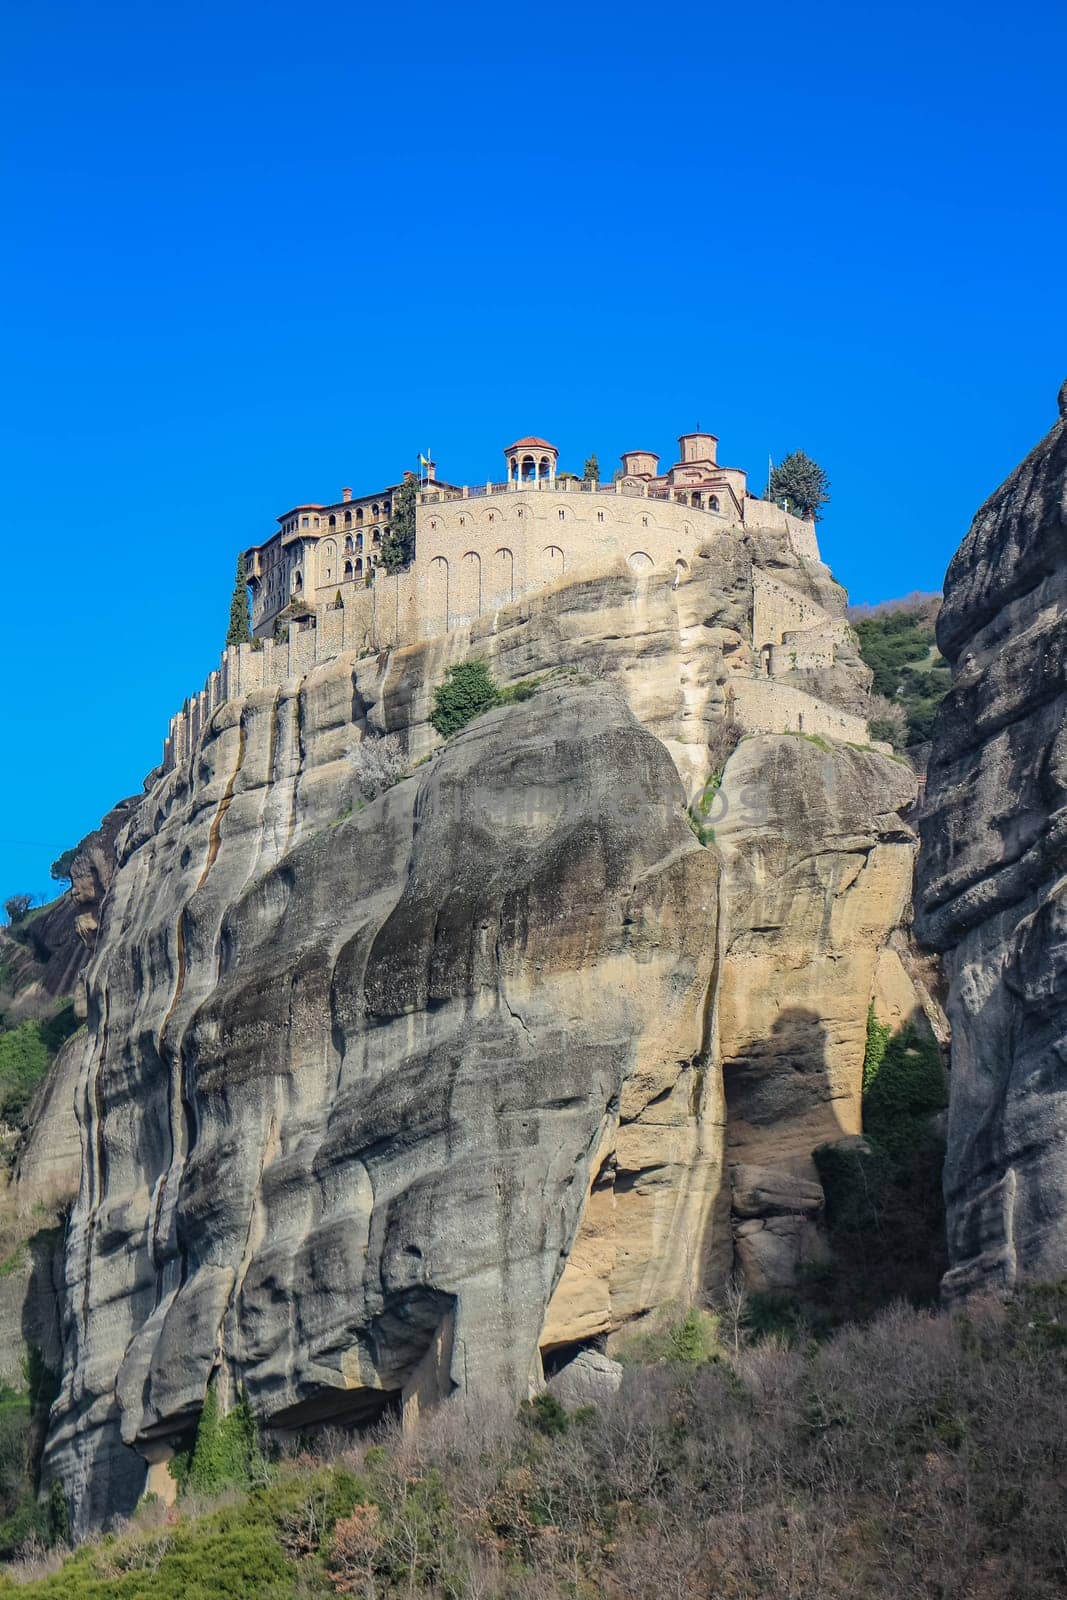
(382, 1098)
(991, 891)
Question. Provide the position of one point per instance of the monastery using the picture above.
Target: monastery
(478, 547)
(319, 587)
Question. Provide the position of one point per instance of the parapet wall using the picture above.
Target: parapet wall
(762, 705)
(479, 554)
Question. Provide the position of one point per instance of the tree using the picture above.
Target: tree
(398, 546)
(591, 470)
(18, 906)
(801, 484)
(239, 632)
(60, 868)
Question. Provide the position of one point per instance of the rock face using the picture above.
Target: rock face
(353, 1068)
(991, 891)
(382, 1099)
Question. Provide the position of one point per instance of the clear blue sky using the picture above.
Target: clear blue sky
(257, 251)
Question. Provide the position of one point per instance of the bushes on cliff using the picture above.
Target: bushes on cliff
(470, 689)
(226, 1454)
(884, 1206)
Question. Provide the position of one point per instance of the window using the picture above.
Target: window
(644, 522)
(600, 516)
(562, 514)
(492, 516)
(348, 519)
(348, 569)
(333, 520)
(433, 524)
(713, 502)
(306, 522)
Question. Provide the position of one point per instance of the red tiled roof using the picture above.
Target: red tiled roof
(530, 442)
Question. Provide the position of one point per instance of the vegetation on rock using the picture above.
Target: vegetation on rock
(226, 1453)
(468, 691)
(60, 868)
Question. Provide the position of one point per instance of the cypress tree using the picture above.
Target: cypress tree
(239, 632)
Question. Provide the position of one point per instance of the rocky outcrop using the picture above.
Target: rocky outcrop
(44, 957)
(991, 890)
(388, 1098)
(353, 1067)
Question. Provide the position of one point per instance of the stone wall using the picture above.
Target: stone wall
(763, 705)
(482, 554)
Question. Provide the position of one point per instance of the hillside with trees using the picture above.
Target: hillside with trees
(911, 677)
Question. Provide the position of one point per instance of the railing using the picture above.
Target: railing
(643, 491)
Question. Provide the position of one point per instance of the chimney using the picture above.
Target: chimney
(431, 471)
(346, 494)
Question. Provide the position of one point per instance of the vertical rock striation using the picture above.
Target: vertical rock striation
(991, 890)
(385, 1099)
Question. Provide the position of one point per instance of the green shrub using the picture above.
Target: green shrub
(227, 1452)
(468, 690)
(695, 1338)
(544, 1414)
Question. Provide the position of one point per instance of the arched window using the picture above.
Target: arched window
(713, 502)
(528, 470)
(348, 569)
(298, 582)
(359, 541)
(359, 513)
(348, 519)
(376, 541)
(333, 520)
(545, 466)
(562, 514)
(600, 516)
(348, 543)
(359, 565)
(374, 510)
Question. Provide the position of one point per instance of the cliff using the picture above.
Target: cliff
(990, 890)
(386, 1096)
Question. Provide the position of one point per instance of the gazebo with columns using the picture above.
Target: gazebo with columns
(531, 460)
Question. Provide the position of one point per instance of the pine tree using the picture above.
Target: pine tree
(591, 470)
(801, 484)
(239, 632)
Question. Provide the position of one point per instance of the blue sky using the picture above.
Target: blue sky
(255, 252)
